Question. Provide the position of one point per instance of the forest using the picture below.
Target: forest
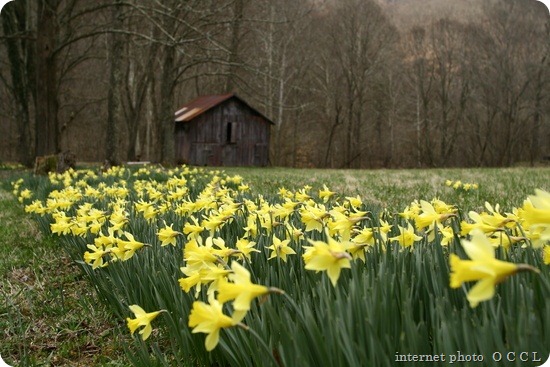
(347, 83)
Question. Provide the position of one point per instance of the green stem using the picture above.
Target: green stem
(262, 342)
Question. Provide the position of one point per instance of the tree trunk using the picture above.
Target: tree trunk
(47, 141)
(167, 122)
(534, 152)
(14, 20)
(238, 8)
(114, 103)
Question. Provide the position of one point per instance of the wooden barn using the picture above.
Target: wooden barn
(221, 130)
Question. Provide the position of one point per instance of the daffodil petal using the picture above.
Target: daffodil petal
(482, 291)
(480, 247)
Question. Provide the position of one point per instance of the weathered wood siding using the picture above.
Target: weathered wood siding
(230, 134)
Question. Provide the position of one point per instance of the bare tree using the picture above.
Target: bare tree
(17, 27)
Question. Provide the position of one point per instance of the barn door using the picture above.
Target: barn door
(206, 154)
(229, 156)
(261, 152)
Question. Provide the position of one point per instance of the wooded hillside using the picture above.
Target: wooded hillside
(349, 83)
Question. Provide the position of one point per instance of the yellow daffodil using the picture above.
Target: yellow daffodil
(35, 207)
(130, 246)
(364, 238)
(357, 251)
(167, 236)
(95, 227)
(302, 195)
(354, 201)
(118, 219)
(313, 217)
(411, 211)
(266, 219)
(193, 280)
(214, 276)
(147, 208)
(407, 237)
(284, 193)
(221, 251)
(280, 249)
(142, 319)
(25, 194)
(537, 208)
(384, 229)
(192, 230)
(489, 221)
(95, 258)
(429, 216)
(282, 212)
(482, 267)
(240, 289)
(196, 255)
(209, 319)
(246, 247)
(546, 254)
(251, 229)
(503, 239)
(330, 256)
(62, 224)
(326, 194)
(293, 233)
(79, 228)
(442, 207)
(447, 234)
(342, 224)
(213, 222)
(535, 215)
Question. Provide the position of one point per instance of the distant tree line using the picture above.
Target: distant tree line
(346, 86)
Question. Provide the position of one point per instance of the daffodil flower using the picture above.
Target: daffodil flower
(209, 319)
(167, 236)
(325, 194)
(128, 247)
(535, 215)
(280, 249)
(246, 247)
(192, 230)
(482, 267)
(95, 258)
(407, 237)
(330, 256)
(546, 255)
(429, 216)
(313, 217)
(142, 319)
(240, 289)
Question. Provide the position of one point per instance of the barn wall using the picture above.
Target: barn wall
(230, 134)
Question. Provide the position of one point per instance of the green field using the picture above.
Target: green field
(395, 189)
(57, 310)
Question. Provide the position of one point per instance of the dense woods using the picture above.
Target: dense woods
(348, 83)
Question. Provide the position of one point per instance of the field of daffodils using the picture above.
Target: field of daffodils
(202, 268)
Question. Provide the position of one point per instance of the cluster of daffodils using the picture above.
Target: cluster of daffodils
(463, 186)
(22, 194)
(11, 166)
(196, 209)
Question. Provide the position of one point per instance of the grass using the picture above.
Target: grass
(45, 320)
(395, 189)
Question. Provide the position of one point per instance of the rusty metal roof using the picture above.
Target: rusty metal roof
(202, 104)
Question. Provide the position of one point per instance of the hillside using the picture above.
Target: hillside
(407, 13)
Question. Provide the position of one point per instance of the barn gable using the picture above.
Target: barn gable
(221, 130)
